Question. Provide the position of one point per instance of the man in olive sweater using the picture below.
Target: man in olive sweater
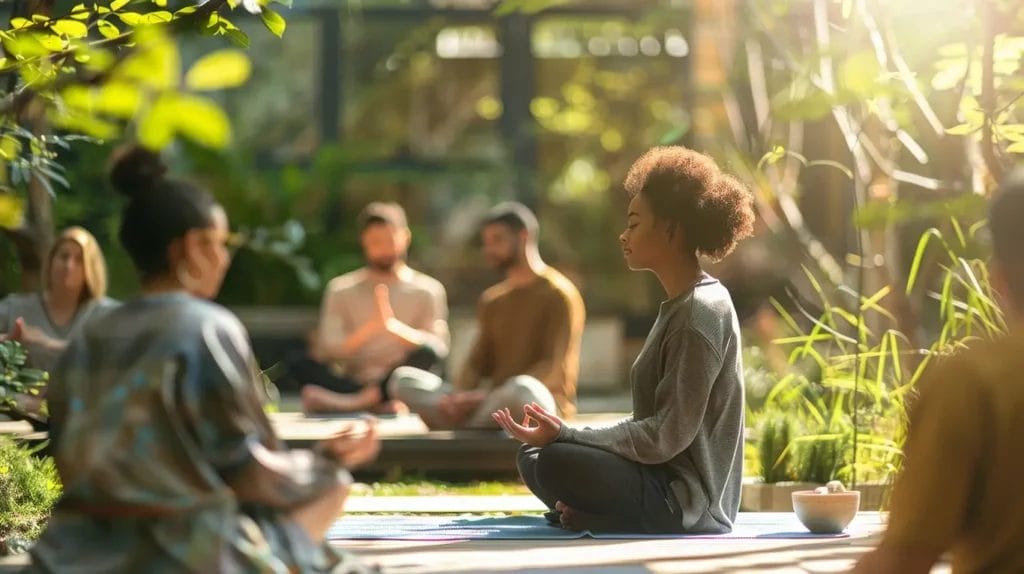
(527, 349)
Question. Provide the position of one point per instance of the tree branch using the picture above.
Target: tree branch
(16, 101)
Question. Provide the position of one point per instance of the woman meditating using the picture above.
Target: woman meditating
(157, 425)
(75, 288)
(676, 465)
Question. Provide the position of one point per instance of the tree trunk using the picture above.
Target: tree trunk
(32, 241)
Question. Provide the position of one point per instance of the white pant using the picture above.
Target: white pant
(422, 391)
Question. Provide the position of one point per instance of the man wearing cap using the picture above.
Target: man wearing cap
(375, 319)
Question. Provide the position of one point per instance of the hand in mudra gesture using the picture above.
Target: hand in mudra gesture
(543, 433)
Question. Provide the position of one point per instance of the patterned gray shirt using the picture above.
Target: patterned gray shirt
(167, 458)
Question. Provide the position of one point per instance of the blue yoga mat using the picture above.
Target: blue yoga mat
(368, 527)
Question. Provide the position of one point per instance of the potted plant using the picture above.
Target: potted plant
(841, 414)
(776, 480)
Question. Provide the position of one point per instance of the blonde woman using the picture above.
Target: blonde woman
(75, 287)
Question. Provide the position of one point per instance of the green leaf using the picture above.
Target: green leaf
(1017, 147)
(219, 70)
(130, 18)
(193, 117)
(777, 153)
(70, 28)
(963, 129)
(157, 17)
(51, 42)
(1012, 132)
(859, 74)
(674, 135)
(119, 99)
(12, 210)
(506, 7)
(273, 21)
(285, 3)
(84, 123)
(156, 127)
(154, 62)
(201, 121)
(97, 60)
(238, 38)
(25, 45)
(922, 247)
(226, 24)
(107, 29)
(160, 3)
(802, 101)
(80, 12)
(118, 4)
(526, 6)
(18, 23)
(833, 164)
(10, 147)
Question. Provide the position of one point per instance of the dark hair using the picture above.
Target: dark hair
(1006, 223)
(382, 213)
(687, 189)
(515, 215)
(159, 209)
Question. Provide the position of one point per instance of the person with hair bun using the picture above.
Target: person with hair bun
(676, 464)
(168, 461)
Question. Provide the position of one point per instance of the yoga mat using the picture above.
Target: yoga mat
(748, 526)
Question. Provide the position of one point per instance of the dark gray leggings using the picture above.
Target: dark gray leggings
(633, 497)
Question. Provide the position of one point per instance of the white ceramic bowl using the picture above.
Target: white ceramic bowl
(826, 513)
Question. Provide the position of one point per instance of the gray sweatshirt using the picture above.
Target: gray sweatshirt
(687, 386)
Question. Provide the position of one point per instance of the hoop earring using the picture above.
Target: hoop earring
(185, 278)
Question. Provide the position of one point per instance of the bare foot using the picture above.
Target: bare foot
(317, 399)
(578, 521)
(390, 408)
(312, 398)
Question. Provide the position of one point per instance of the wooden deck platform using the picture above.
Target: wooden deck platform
(407, 446)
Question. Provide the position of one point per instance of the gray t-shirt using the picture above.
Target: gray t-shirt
(418, 300)
(687, 386)
(30, 307)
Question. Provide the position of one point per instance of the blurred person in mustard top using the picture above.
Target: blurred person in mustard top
(960, 487)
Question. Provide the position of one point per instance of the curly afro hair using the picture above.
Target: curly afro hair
(687, 189)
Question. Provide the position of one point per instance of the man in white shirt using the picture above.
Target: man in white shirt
(373, 320)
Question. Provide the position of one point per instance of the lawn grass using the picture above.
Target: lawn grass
(420, 487)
